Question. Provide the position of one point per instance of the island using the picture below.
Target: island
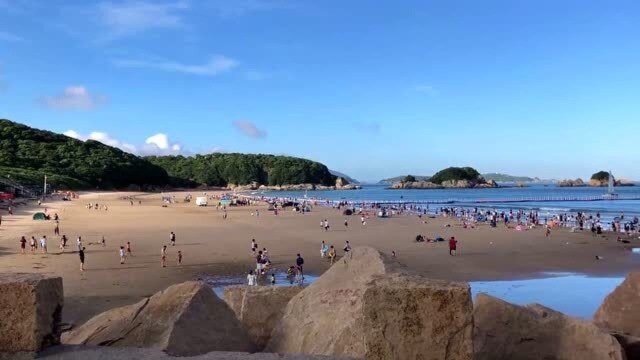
(452, 177)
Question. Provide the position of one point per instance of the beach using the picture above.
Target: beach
(212, 245)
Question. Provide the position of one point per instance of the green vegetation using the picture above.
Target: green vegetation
(27, 154)
(224, 169)
(455, 174)
(600, 176)
(507, 178)
(409, 178)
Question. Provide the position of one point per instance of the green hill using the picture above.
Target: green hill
(27, 154)
(223, 169)
(497, 177)
(455, 174)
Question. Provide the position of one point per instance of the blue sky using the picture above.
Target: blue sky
(370, 88)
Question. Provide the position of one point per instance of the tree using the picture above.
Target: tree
(409, 178)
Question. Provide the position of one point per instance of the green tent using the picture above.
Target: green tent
(39, 216)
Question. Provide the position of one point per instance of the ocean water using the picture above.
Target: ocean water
(373, 193)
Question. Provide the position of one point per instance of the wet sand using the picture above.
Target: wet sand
(214, 246)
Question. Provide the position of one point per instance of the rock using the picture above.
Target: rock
(67, 352)
(30, 311)
(415, 185)
(368, 306)
(259, 308)
(340, 182)
(571, 183)
(183, 320)
(619, 311)
(630, 344)
(506, 331)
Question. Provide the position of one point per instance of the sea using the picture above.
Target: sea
(493, 198)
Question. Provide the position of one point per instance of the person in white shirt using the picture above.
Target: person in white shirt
(79, 243)
(122, 255)
(251, 279)
(43, 244)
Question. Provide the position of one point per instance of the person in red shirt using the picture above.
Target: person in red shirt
(452, 246)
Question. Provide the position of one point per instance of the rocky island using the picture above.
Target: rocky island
(452, 177)
(599, 179)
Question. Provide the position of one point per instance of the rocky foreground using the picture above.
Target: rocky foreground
(366, 306)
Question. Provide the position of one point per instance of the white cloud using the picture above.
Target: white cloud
(424, 88)
(74, 98)
(215, 66)
(131, 16)
(158, 144)
(249, 129)
(9, 37)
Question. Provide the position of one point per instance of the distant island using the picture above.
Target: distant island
(28, 154)
(497, 177)
(344, 176)
(452, 177)
(395, 179)
(599, 179)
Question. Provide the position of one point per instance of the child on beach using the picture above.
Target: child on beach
(323, 250)
(254, 246)
(23, 244)
(179, 257)
(81, 255)
(34, 244)
(332, 254)
(163, 256)
(122, 255)
(129, 253)
(347, 247)
(252, 279)
(43, 244)
(172, 239)
(452, 246)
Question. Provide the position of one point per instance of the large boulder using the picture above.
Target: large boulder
(185, 319)
(259, 308)
(368, 306)
(30, 311)
(533, 332)
(620, 309)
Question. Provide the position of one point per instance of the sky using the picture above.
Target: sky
(374, 89)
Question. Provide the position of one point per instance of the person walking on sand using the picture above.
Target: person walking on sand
(43, 244)
(64, 242)
(56, 230)
(452, 246)
(34, 245)
(122, 255)
(79, 243)
(129, 253)
(179, 257)
(300, 263)
(23, 244)
(163, 256)
(81, 255)
(548, 232)
(347, 247)
(332, 254)
(103, 241)
(346, 224)
(172, 239)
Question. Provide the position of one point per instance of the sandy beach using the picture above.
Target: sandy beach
(212, 245)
